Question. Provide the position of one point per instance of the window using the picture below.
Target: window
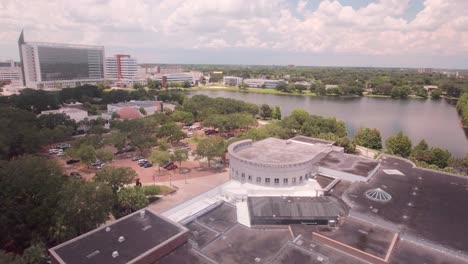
(267, 180)
(250, 178)
(285, 181)
(243, 176)
(307, 176)
(300, 179)
(294, 180)
(276, 181)
(259, 180)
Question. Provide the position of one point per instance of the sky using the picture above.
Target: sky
(364, 33)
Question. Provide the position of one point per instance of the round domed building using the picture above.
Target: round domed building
(275, 162)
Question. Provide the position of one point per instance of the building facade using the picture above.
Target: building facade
(123, 70)
(55, 66)
(258, 83)
(232, 80)
(10, 72)
(74, 113)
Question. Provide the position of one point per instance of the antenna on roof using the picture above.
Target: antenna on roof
(121, 239)
(142, 213)
(115, 254)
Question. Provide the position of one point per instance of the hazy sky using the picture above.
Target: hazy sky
(395, 33)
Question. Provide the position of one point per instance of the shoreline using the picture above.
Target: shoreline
(275, 92)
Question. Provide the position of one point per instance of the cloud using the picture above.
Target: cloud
(378, 28)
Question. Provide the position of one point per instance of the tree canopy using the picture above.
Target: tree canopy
(369, 138)
(398, 144)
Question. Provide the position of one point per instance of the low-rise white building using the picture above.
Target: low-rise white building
(232, 80)
(430, 88)
(149, 106)
(74, 113)
(258, 83)
(10, 72)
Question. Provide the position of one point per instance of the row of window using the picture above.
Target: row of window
(268, 180)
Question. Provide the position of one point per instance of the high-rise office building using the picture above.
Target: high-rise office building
(56, 66)
(122, 70)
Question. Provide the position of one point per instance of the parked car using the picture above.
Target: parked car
(63, 146)
(141, 161)
(135, 158)
(147, 165)
(60, 153)
(72, 161)
(96, 163)
(100, 166)
(125, 149)
(210, 132)
(76, 175)
(172, 167)
(190, 134)
(54, 151)
(167, 164)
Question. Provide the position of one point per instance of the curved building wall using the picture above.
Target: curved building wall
(267, 174)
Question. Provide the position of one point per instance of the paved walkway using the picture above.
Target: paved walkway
(188, 190)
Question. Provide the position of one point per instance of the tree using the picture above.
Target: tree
(369, 138)
(143, 111)
(180, 155)
(210, 148)
(30, 196)
(440, 157)
(243, 86)
(183, 116)
(129, 200)
(159, 157)
(421, 152)
(171, 131)
(104, 155)
(51, 121)
(348, 145)
(116, 177)
(85, 153)
(84, 206)
(265, 111)
(436, 94)
(276, 113)
(398, 144)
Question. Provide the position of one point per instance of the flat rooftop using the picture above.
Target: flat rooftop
(141, 234)
(278, 151)
(283, 210)
(426, 204)
(348, 163)
(146, 103)
(310, 140)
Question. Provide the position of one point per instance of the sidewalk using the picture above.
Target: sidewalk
(188, 190)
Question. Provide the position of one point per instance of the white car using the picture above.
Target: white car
(103, 165)
(60, 153)
(54, 151)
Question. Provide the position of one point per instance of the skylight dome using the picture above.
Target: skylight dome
(378, 195)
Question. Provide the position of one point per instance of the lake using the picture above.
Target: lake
(436, 121)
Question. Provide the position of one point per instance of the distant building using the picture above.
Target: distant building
(192, 77)
(330, 86)
(122, 70)
(141, 237)
(232, 80)
(150, 108)
(263, 83)
(425, 70)
(74, 113)
(307, 84)
(10, 72)
(169, 69)
(430, 88)
(55, 66)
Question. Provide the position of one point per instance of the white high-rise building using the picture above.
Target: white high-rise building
(10, 72)
(55, 66)
(123, 70)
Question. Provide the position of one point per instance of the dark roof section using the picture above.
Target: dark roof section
(323, 181)
(142, 235)
(291, 253)
(289, 210)
(348, 163)
(427, 204)
(312, 140)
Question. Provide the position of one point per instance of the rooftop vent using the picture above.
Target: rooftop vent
(378, 195)
(107, 229)
(115, 254)
(121, 239)
(288, 142)
(142, 213)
